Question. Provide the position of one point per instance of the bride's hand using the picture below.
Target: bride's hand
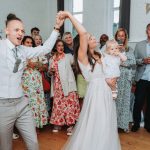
(59, 21)
(63, 14)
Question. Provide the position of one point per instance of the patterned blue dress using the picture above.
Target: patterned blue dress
(124, 91)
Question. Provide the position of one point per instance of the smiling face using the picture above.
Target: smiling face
(60, 47)
(68, 39)
(15, 32)
(121, 36)
(38, 40)
(92, 43)
(28, 42)
(34, 33)
(103, 39)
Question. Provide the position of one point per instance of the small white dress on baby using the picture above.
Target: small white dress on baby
(111, 68)
(111, 65)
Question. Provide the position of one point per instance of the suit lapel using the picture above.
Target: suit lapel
(145, 49)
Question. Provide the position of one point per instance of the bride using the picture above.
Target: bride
(97, 125)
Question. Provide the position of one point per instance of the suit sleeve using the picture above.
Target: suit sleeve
(130, 62)
(139, 61)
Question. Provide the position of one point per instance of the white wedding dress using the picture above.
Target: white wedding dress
(97, 125)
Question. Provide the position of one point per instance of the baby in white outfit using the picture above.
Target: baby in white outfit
(111, 60)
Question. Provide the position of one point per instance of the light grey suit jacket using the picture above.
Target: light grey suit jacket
(140, 53)
(66, 74)
(10, 83)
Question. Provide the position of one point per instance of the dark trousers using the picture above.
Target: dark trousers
(142, 93)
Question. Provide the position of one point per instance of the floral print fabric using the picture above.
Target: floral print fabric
(65, 109)
(33, 89)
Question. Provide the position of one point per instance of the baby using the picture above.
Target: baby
(111, 60)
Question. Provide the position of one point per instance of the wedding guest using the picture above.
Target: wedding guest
(125, 81)
(103, 39)
(38, 40)
(33, 86)
(68, 39)
(142, 78)
(66, 108)
(35, 31)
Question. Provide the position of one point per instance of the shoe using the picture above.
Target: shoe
(15, 136)
(114, 94)
(126, 130)
(55, 130)
(135, 128)
(147, 129)
(69, 133)
(69, 130)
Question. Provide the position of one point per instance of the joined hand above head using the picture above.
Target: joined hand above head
(59, 21)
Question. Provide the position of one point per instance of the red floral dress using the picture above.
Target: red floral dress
(65, 109)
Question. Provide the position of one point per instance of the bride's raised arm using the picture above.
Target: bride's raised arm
(82, 53)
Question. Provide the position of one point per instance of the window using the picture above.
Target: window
(116, 15)
(77, 12)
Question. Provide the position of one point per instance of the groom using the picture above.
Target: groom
(13, 106)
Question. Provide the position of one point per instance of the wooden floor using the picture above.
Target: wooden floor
(54, 141)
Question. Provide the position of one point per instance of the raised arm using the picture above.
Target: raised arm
(82, 54)
(30, 52)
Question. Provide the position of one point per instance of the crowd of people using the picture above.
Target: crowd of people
(69, 82)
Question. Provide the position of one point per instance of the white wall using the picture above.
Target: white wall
(39, 13)
(138, 20)
(97, 16)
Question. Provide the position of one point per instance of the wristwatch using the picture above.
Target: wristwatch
(142, 61)
(55, 28)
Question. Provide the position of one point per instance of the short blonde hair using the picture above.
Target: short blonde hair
(64, 35)
(110, 43)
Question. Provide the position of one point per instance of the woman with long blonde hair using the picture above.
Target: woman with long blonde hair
(125, 81)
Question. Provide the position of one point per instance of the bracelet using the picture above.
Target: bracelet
(58, 29)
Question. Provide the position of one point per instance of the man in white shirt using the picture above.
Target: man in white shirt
(13, 106)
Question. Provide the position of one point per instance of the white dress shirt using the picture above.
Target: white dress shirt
(10, 82)
(146, 74)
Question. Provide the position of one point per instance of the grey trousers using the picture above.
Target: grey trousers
(16, 112)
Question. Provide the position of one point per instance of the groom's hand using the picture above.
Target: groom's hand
(63, 14)
(59, 21)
